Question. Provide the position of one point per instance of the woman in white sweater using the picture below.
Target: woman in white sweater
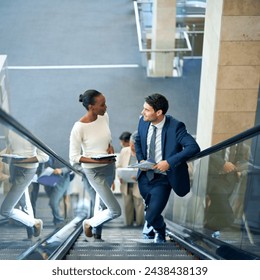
(91, 136)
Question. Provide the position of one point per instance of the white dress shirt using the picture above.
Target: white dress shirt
(158, 140)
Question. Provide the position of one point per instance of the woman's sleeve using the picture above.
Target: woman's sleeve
(75, 146)
(41, 156)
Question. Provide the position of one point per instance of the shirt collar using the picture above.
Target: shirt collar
(161, 123)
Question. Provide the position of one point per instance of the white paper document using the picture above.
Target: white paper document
(144, 165)
(127, 174)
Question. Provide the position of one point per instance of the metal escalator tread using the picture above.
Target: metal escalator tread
(125, 243)
(166, 251)
(13, 239)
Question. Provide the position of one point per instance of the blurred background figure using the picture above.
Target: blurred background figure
(226, 170)
(132, 200)
(56, 181)
(35, 187)
(124, 139)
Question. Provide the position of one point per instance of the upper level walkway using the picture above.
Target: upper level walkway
(58, 49)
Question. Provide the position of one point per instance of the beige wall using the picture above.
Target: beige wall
(230, 70)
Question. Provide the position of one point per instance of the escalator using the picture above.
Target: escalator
(188, 237)
(118, 243)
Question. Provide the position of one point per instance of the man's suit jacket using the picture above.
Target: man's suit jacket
(123, 161)
(177, 147)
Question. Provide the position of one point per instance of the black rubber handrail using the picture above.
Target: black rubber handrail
(19, 128)
(11, 123)
(206, 246)
(254, 131)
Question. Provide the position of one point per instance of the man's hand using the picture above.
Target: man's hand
(162, 166)
(57, 171)
(229, 167)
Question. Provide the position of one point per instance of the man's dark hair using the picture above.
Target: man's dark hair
(125, 136)
(158, 102)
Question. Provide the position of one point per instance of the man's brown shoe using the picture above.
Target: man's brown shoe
(87, 229)
(37, 227)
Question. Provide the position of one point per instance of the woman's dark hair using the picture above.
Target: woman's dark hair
(88, 97)
(158, 102)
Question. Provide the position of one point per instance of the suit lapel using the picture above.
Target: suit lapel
(164, 132)
(146, 128)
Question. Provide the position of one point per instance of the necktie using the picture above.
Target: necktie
(233, 154)
(150, 173)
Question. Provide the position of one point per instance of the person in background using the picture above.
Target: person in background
(124, 139)
(133, 201)
(22, 171)
(91, 136)
(164, 141)
(35, 187)
(57, 193)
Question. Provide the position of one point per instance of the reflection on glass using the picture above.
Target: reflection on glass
(224, 198)
(39, 195)
(223, 202)
(56, 180)
(22, 160)
(227, 176)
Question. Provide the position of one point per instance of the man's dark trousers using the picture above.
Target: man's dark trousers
(156, 194)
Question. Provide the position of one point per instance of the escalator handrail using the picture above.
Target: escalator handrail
(19, 128)
(13, 124)
(247, 134)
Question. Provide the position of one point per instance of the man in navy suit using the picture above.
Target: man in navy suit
(173, 146)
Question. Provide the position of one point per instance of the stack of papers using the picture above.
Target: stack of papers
(147, 164)
(127, 174)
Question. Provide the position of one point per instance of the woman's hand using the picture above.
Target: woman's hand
(110, 149)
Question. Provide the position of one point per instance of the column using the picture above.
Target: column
(163, 37)
(230, 70)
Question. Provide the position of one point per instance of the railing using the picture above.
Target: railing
(224, 202)
(9, 122)
(74, 193)
(223, 205)
(188, 38)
